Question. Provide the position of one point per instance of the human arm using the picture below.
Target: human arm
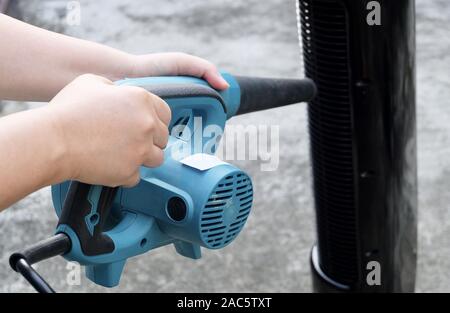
(92, 131)
(36, 63)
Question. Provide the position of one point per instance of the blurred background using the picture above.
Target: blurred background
(248, 37)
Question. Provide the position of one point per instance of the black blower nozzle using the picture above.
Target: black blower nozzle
(266, 93)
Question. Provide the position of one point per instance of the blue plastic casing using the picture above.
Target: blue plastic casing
(174, 203)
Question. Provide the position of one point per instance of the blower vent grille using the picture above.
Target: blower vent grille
(326, 57)
(226, 211)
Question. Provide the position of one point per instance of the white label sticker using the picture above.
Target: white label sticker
(202, 161)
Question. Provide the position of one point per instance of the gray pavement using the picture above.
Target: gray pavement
(254, 38)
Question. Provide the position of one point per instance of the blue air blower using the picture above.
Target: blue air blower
(192, 200)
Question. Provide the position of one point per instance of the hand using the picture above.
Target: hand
(108, 131)
(176, 63)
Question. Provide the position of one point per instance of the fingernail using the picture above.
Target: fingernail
(224, 81)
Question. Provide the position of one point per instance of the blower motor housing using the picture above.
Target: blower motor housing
(210, 212)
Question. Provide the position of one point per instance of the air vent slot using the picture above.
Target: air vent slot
(226, 211)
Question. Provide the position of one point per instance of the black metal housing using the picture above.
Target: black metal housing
(363, 142)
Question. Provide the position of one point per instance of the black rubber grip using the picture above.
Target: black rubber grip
(259, 94)
(77, 209)
(45, 249)
(170, 91)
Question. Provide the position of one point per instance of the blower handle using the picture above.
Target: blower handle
(86, 209)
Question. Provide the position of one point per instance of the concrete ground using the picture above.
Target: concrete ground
(254, 38)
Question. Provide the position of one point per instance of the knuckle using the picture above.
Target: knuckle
(142, 93)
(142, 154)
(156, 158)
(161, 141)
(166, 108)
(149, 123)
(86, 76)
(166, 137)
(165, 133)
(156, 162)
(137, 93)
(133, 180)
(131, 169)
(154, 99)
(92, 78)
(159, 158)
(211, 67)
(113, 184)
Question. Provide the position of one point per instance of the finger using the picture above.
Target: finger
(155, 158)
(155, 103)
(103, 79)
(190, 65)
(215, 79)
(133, 180)
(162, 109)
(93, 77)
(161, 135)
(195, 66)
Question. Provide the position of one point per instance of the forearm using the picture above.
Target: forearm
(36, 63)
(31, 155)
